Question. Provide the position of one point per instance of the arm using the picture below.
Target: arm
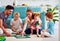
(40, 22)
(1, 24)
(21, 26)
(12, 26)
(51, 27)
(32, 21)
(13, 29)
(4, 30)
(25, 24)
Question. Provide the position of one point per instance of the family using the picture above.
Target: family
(32, 20)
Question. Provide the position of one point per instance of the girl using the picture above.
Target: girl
(36, 22)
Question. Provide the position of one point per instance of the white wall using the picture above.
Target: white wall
(29, 3)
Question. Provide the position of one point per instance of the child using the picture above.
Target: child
(50, 25)
(16, 24)
(36, 22)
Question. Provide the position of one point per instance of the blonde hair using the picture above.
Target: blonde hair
(16, 13)
(36, 13)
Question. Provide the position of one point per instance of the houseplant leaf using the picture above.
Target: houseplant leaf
(55, 13)
(55, 20)
(55, 8)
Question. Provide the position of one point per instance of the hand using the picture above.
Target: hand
(44, 30)
(22, 33)
(17, 32)
(42, 35)
(5, 25)
(8, 34)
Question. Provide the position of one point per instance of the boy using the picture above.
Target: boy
(50, 25)
(16, 24)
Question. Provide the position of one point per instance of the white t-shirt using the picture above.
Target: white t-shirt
(16, 24)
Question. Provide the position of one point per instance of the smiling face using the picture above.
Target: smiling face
(16, 16)
(9, 11)
(29, 14)
(35, 17)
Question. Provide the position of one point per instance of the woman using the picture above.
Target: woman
(27, 20)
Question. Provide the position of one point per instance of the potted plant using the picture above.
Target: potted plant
(53, 10)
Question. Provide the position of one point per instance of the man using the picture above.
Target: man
(3, 19)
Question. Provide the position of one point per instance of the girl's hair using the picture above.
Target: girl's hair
(49, 15)
(16, 13)
(35, 13)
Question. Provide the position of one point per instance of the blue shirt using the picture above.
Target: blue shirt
(4, 19)
(50, 25)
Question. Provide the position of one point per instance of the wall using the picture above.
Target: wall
(30, 2)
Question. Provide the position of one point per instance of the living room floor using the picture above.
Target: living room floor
(34, 38)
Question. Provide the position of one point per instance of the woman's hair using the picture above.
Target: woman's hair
(16, 13)
(49, 15)
(29, 10)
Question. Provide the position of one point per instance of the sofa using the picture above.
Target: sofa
(22, 11)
